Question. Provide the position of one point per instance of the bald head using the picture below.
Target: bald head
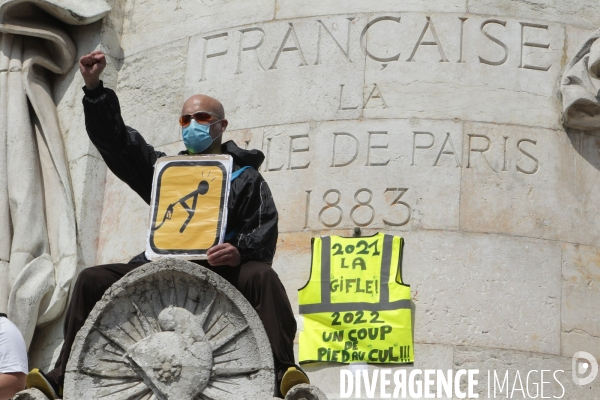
(201, 102)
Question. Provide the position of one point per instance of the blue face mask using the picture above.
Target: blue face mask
(196, 137)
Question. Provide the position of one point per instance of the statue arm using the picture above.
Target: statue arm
(254, 218)
(124, 150)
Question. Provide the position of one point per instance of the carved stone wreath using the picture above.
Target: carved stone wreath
(171, 330)
(580, 87)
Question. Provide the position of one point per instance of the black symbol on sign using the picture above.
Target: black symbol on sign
(202, 189)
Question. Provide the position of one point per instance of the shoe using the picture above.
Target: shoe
(38, 380)
(291, 378)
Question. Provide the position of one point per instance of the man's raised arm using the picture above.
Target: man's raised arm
(123, 149)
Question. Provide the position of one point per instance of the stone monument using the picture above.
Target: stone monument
(38, 237)
(469, 127)
(171, 330)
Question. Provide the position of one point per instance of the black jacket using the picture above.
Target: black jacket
(251, 209)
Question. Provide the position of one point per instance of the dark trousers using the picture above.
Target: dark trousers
(257, 281)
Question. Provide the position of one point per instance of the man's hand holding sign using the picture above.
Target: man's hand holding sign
(216, 209)
(223, 254)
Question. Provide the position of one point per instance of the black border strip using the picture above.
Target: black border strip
(325, 270)
(340, 307)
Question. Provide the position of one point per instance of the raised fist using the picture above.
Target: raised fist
(91, 66)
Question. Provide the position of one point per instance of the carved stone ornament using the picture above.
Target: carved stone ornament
(30, 394)
(171, 329)
(580, 87)
(305, 392)
(38, 234)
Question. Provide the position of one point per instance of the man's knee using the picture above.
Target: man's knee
(87, 277)
(258, 273)
(93, 280)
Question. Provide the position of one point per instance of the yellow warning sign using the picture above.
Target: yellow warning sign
(189, 207)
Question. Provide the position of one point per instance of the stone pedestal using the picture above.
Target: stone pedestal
(171, 330)
(305, 392)
(439, 121)
(30, 394)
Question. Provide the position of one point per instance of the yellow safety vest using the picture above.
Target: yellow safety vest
(356, 307)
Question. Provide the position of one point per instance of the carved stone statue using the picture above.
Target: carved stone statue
(580, 87)
(305, 392)
(171, 329)
(38, 244)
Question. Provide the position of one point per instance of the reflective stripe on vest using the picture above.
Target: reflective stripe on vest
(384, 303)
(355, 305)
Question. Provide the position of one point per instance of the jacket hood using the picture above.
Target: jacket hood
(252, 158)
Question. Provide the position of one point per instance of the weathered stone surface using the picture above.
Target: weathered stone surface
(530, 182)
(305, 392)
(579, 13)
(88, 177)
(124, 215)
(423, 89)
(152, 23)
(150, 91)
(292, 263)
(386, 65)
(351, 160)
(30, 394)
(446, 77)
(68, 95)
(46, 344)
(576, 37)
(285, 81)
(175, 330)
(294, 9)
(484, 290)
(112, 29)
(580, 323)
(38, 245)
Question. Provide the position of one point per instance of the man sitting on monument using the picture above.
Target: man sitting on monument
(243, 260)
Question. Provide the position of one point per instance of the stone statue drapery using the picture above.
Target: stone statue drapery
(580, 87)
(38, 244)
